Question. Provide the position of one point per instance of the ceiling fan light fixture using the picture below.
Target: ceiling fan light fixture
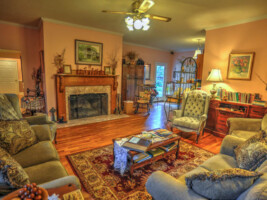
(129, 21)
(138, 24)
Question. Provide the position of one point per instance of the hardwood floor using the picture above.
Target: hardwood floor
(81, 138)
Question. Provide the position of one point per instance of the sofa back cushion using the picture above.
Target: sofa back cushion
(222, 184)
(252, 153)
(16, 136)
(195, 105)
(7, 112)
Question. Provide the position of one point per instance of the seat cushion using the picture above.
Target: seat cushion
(219, 161)
(244, 134)
(39, 153)
(16, 135)
(187, 122)
(46, 172)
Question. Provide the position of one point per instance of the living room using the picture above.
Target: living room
(74, 150)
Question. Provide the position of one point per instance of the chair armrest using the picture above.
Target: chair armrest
(42, 132)
(229, 143)
(38, 119)
(203, 117)
(163, 186)
(177, 113)
(61, 182)
(245, 124)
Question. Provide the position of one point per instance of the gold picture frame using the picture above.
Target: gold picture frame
(107, 70)
(240, 66)
(67, 69)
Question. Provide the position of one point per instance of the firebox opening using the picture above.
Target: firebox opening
(88, 105)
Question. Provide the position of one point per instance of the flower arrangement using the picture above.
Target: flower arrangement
(240, 64)
(59, 61)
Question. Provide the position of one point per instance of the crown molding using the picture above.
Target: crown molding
(236, 23)
(79, 26)
(18, 25)
(145, 46)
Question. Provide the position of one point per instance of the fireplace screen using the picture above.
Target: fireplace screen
(88, 105)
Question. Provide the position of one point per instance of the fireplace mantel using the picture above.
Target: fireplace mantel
(70, 80)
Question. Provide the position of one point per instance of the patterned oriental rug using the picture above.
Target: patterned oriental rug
(95, 171)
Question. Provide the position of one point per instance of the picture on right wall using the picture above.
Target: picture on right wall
(240, 66)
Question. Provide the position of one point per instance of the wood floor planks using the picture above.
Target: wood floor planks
(85, 137)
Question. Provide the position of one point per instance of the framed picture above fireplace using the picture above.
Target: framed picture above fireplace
(88, 53)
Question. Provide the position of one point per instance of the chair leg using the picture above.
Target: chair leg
(197, 138)
(55, 139)
(136, 109)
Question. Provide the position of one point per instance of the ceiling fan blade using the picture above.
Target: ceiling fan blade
(118, 12)
(157, 17)
(145, 6)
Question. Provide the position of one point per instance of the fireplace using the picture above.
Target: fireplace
(88, 105)
(72, 84)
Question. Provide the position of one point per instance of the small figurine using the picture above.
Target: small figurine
(52, 111)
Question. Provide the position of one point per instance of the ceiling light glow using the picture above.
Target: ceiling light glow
(137, 24)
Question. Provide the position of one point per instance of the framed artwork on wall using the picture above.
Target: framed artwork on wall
(88, 53)
(240, 66)
(67, 69)
(147, 72)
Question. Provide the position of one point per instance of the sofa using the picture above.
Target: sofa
(246, 127)
(162, 186)
(33, 120)
(41, 161)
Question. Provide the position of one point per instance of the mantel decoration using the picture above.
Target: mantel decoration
(113, 61)
(88, 53)
(59, 61)
(240, 66)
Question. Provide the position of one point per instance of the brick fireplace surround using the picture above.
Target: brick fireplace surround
(69, 80)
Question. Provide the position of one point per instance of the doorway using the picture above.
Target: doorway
(160, 80)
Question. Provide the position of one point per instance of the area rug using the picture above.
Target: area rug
(95, 171)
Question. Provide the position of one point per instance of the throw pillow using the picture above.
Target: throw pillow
(16, 136)
(12, 173)
(7, 112)
(252, 153)
(222, 184)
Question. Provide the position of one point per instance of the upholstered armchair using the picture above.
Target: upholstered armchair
(32, 120)
(193, 114)
(246, 127)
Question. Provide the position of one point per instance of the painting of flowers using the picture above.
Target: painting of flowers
(240, 66)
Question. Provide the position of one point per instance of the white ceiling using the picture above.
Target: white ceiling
(189, 17)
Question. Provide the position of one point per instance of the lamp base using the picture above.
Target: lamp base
(213, 91)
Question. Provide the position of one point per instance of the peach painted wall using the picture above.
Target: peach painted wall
(249, 37)
(151, 56)
(25, 40)
(58, 36)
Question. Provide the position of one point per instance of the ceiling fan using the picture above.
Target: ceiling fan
(138, 18)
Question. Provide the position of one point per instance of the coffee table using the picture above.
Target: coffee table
(134, 165)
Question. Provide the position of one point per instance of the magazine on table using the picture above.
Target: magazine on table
(137, 144)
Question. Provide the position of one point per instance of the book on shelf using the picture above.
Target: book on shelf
(156, 152)
(170, 146)
(259, 103)
(137, 144)
(141, 157)
(236, 96)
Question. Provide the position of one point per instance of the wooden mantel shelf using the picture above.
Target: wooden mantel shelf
(81, 75)
(70, 80)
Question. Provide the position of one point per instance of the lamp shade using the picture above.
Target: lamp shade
(215, 76)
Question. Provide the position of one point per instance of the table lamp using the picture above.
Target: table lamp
(214, 76)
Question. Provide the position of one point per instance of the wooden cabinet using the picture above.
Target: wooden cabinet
(199, 62)
(132, 76)
(220, 111)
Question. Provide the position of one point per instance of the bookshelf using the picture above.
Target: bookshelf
(220, 111)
